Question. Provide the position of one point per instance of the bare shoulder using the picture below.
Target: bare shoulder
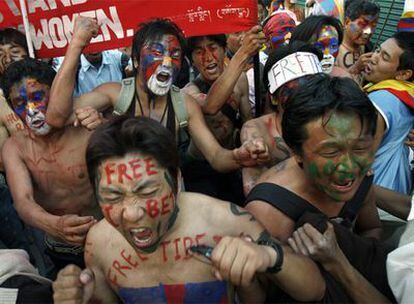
(111, 90)
(280, 174)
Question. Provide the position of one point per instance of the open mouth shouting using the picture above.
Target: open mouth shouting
(343, 186)
(142, 237)
(163, 77)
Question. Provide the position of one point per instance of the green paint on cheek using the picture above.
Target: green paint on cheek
(313, 170)
(329, 167)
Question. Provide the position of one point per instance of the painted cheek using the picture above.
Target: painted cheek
(111, 214)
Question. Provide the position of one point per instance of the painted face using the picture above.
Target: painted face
(29, 99)
(327, 42)
(10, 53)
(136, 197)
(160, 63)
(361, 29)
(278, 30)
(337, 154)
(208, 58)
(384, 62)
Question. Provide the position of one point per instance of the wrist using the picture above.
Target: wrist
(275, 254)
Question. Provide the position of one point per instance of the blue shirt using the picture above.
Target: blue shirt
(391, 165)
(90, 77)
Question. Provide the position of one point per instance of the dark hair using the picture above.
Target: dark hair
(356, 8)
(313, 24)
(122, 135)
(283, 51)
(153, 29)
(12, 36)
(405, 41)
(324, 95)
(27, 67)
(221, 40)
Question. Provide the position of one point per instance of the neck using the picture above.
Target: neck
(349, 44)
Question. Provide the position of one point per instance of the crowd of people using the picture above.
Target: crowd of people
(152, 174)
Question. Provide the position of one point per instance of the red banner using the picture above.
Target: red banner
(52, 20)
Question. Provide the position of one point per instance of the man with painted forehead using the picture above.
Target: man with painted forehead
(287, 68)
(157, 53)
(159, 245)
(329, 125)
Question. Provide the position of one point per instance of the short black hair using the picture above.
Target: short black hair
(27, 67)
(313, 24)
(405, 41)
(322, 96)
(286, 50)
(122, 135)
(220, 39)
(153, 29)
(356, 8)
(10, 35)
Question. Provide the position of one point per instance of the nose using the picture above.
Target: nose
(346, 164)
(367, 30)
(133, 212)
(166, 61)
(326, 51)
(31, 108)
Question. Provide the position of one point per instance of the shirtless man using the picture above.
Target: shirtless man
(223, 96)
(45, 167)
(140, 252)
(268, 127)
(361, 17)
(157, 55)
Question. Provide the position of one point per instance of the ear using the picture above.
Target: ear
(298, 159)
(404, 74)
(347, 21)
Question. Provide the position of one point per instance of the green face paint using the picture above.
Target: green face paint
(337, 155)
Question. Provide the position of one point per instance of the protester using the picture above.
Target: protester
(45, 166)
(140, 252)
(361, 17)
(157, 53)
(222, 93)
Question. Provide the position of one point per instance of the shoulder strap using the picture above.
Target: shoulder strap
(351, 208)
(286, 201)
(180, 107)
(125, 96)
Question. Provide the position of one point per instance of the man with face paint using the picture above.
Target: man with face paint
(140, 252)
(278, 29)
(222, 92)
(268, 127)
(157, 55)
(329, 125)
(361, 17)
(45, 167)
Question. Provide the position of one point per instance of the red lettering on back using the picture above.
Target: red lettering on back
(109, 172)
(128, 259)
(187, 243)
(199, 237)
(149, 163)
(164, 251)
(217, 238)
(113, 280)
(122, 168)
(118, 267)
(177, 254)
(152, 208)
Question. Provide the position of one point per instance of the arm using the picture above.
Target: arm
(245, 110)
(368, 223)
(61, 103)
(221, 159)
(222, 88)
(70, 228)
(324, 249)
(395, 203)
(299, 276)
(3, 137)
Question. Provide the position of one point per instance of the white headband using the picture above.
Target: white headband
(291, 67)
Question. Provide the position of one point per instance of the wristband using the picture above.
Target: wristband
(279, 254)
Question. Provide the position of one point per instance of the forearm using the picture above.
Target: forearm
(357, 287)
(254, 293)
(223, 87)
(374, 233)
(223, 160)
(60, 105)
(34, 215)
(395, 203)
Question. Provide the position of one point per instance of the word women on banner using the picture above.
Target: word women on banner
(240, 12)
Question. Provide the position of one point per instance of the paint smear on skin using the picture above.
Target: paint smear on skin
(204, 292)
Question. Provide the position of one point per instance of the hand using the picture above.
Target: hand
(252, 41)
(73, 285)
(320, 247)
(252, 152)
(84, 30)
(88, 117)
(361, 63)
(410, 139)
(72, 228)
(238, 260)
